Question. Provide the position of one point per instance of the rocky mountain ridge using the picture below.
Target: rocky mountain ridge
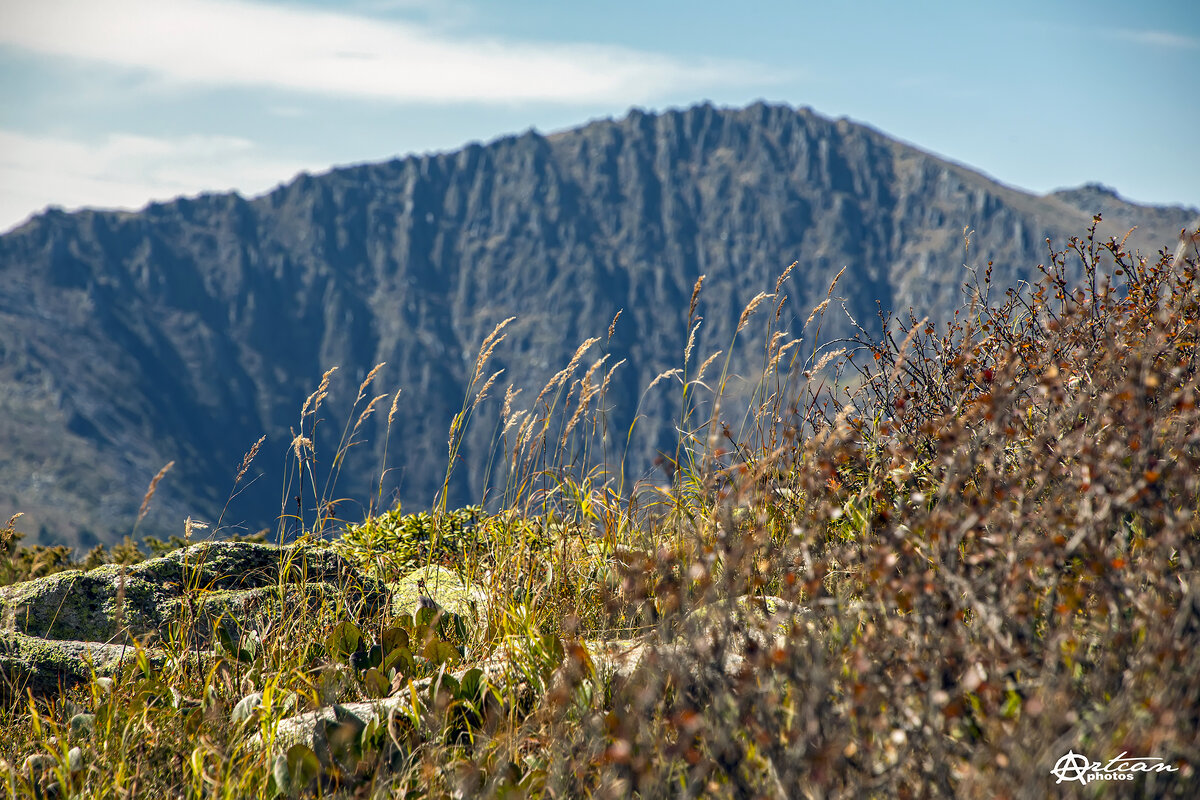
(185, 331)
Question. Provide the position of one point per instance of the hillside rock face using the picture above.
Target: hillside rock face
(186, 331)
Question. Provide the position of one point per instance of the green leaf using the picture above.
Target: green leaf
(440, 652)
(303, 764)
(375, 656)
(280, 776)
(197, 762)
(376, 683)
(1012, 704)
(343, 640)
(394, 637)
(400, 659)
(552, 646)
(444, 682)
(426, 615)
(460, 627)
(143, 664)
(231, 647)
(294, 770)
(373, 737)
(246, 708)
(471, 686)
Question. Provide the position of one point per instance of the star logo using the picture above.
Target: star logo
(1072, 767)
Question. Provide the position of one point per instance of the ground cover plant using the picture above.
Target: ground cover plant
(929, 561)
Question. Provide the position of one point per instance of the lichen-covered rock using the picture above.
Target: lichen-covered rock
(204, 581)
(443, 586)
(60, 627)
(47, 666)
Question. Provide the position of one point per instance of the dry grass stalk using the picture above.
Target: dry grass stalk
(609, 374)
(514, 419)
(781, 351)
(612, 326)
(489, 344)
(587, 376)
(691, 342)
(487, 385)
(774, 343)
(754, 303)
(145, 507)
(314, 399)
(366, 412)
(707, 363)
(367, 381)
(835, 280)
(695, 296)
(300, 444)
(190, 526)
(561, 376)
(248, 459)
(510, 394)
(395, 406)
(662, 376)
(784, 276)
(818, 309)
(586, 392)
(902, 352)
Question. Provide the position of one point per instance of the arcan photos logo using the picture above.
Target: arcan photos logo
(1076, 767)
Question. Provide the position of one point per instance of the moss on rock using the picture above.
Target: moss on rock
(54, 624)
(46, 666)
(443, 586)
(237, 578)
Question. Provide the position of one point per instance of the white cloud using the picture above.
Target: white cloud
(1168, 39)
(239, 43)
(126, 170)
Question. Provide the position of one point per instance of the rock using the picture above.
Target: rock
(727, 628)
(62, 626)
(82, 724)
(246, 708)
(214, 578)
(617, 659)
(324, 729)
(48, 666)
(450, 592)
(75, 760)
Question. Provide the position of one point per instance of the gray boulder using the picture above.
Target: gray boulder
(762, 621)
(59, 628)
(48, 666)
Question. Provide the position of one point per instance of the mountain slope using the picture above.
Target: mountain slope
(187, 330)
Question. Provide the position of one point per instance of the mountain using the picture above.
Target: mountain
(185, 331)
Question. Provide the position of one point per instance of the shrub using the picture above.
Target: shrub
(931, 563)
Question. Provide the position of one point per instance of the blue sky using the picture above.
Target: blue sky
(118, 102)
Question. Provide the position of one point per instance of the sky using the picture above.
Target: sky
(114, 103)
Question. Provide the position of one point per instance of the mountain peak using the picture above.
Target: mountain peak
(186, 331)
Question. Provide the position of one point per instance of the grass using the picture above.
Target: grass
(929, 563)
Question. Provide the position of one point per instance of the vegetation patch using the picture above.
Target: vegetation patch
(931, 561)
